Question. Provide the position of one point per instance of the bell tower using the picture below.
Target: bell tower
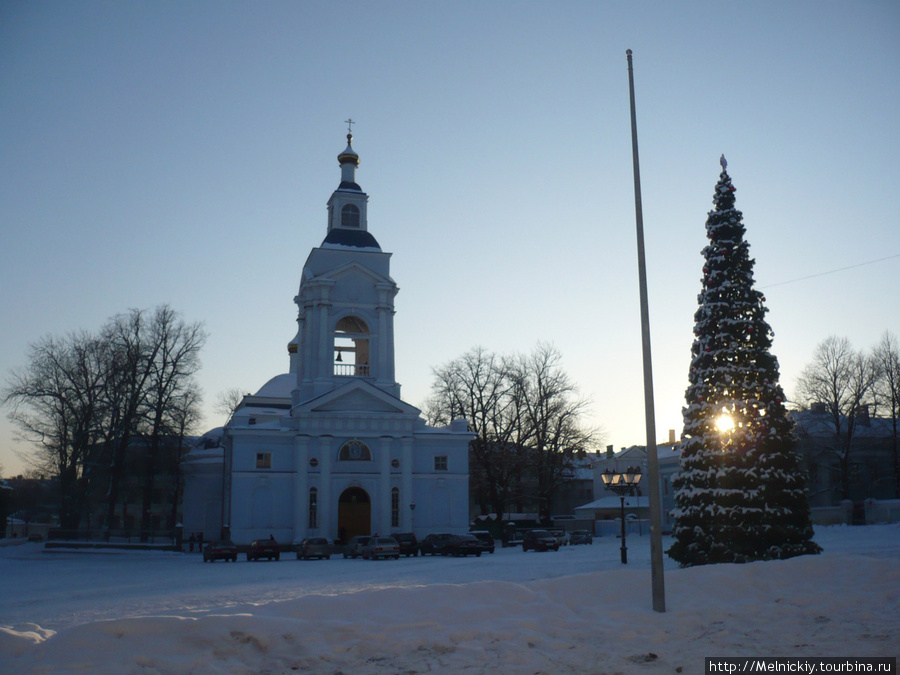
(329, 448)
(346, 299)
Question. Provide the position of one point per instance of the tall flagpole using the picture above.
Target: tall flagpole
(656, 559)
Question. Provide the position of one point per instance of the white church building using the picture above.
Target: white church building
(329, 448)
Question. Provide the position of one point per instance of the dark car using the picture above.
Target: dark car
(486, 539)
(581, 537)
(353, 549)
(433, 544)
(264, 548)
(463, 545)
(539, 540)
(314, 547)
(220, 550)
(381, 547)
(409, 545)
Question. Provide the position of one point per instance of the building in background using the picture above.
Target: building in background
(870, 465)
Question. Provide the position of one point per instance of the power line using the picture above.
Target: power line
(840, 269)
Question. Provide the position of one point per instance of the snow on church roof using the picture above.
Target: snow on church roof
(279, 386)
(339, 237)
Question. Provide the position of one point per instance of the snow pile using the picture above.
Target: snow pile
(508, 613)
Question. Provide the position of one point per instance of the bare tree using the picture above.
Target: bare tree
(83, 401)
(476, 387)
(184, 415)
(131, 357)
(177, 348)
(56, 405)
(526, 415)
(552, 410)
(887, 392)
(228, 401)
(841, 379)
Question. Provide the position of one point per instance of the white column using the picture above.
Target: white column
(407, 494)
(324, 354)
(301, 486)
(385, 371)
(385, 310)
(384, 484)
(327, 505)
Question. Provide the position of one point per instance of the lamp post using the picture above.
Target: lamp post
(622, 484)
(412, 517)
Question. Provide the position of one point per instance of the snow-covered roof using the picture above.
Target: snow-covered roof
(821, 424)
(612, 502)
(664, 452)
(279, 386)
(343, 238)
(210, 439)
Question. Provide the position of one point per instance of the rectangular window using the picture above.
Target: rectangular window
(440, 463)
(263, 460)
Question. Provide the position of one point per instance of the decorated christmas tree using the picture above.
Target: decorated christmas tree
(740, 492)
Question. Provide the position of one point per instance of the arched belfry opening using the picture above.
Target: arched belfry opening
(351, 348)
(354, 513)
(350, 215)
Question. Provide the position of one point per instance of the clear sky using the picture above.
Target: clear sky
(183, 153)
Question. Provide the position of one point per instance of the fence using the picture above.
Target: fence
(869, 512)
(154, 539)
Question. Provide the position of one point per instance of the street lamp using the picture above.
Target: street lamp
(412, 517)
(622, 484)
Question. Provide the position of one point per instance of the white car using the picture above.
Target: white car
(561, 536)
(381, 547)
(355, 546)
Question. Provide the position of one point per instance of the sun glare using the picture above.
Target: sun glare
(724, 423)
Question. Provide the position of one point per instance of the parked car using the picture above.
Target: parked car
(581, 537)
(433, 544)
(381, 547)
(486, 539)
(561, 536)
(220, 550)
(353, 549)
(463, 545)
(314, 547)
(409, 545)
(264, 548)
(539, 540)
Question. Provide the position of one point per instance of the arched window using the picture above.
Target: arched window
(351, 347)
(350, 215)
(313, 507)
(355, 451)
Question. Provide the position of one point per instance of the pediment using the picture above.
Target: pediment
(357, 396)
(354, 269)
(359, 271)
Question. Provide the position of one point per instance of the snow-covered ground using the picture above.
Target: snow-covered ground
(577, 610)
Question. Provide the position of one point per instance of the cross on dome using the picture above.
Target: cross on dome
(349, 156)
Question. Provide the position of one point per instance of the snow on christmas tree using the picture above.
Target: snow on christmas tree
(740, 492)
